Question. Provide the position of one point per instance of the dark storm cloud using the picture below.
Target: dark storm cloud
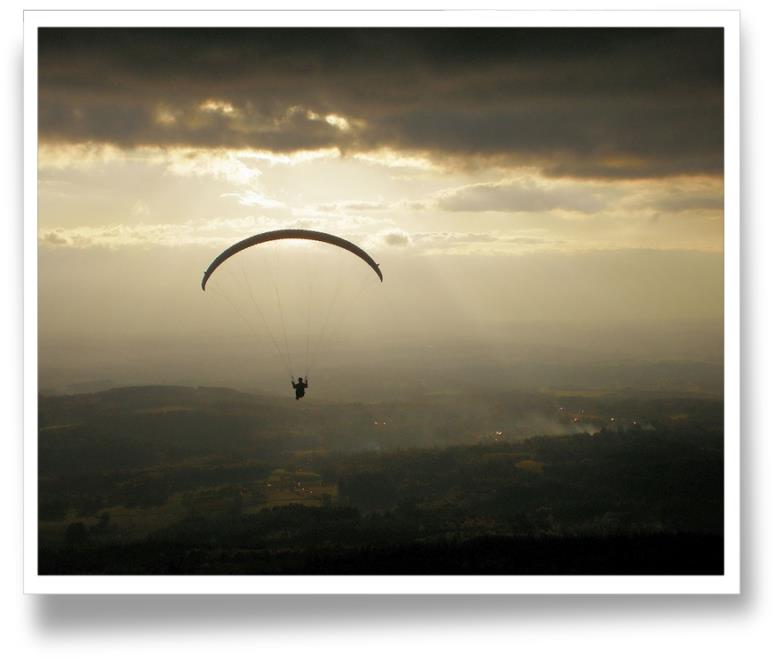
(575, 102)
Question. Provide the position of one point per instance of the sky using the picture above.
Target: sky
(561, 187)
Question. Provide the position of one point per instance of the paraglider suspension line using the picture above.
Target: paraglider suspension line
(284, 357)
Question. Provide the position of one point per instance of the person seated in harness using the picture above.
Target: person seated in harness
(300, 386)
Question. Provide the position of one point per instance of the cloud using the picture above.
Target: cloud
(679, 204)
(352, 205)
(252, 198)
(54, 238)
(453, 237)
(223, 231)
(215, 232)
(537, 194)
(679, 196)
(396, 238)
(487, 243)
(224, 165)
(427, 242)
(462, 242)
(389, 158)
(523, 196)
(237, 167)
(600, 103)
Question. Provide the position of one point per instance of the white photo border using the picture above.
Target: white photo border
(728, 583)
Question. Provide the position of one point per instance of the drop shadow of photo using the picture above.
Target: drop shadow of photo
(107, 614)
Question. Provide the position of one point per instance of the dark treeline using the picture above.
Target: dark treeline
(653, 554)
(198, 481)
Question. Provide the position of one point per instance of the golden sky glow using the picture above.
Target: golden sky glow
(177, 196)
(555, 176)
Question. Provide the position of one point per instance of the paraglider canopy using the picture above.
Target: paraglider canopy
(290, 234)
(307, 294)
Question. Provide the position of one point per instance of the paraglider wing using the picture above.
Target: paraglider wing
(285, 234)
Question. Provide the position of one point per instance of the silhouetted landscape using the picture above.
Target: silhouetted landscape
(183, 480)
